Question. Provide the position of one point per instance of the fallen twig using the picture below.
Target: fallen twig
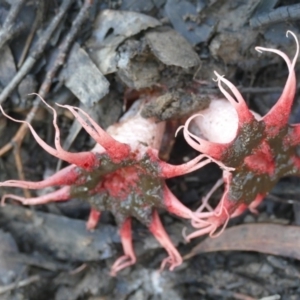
(36, 23)
(269, 238)
(18, 284)
(9, 29)
(64, 48)
(228, 294)
(37, 52)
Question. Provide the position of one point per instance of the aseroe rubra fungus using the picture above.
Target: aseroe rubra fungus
(260, 149)
(122, 174)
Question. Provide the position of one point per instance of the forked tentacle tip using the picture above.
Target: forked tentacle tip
(173, 262)
(59, 105)
(113, 273)
(189, 120)
(297, 45)
(163, 264)
(259, 49)
(90, 227)
(218, 77)
(35, 94)
(2, 110)
(2, 203)
(189, 237)
(178, 129)
(291, 33)
(212, 234)
(38, 95)
(253, 210)
(65, 106)
(184, 235)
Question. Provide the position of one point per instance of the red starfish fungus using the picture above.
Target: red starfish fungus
(262, 151)
(122, 174)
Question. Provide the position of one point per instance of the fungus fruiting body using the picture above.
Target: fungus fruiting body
(262, 150)
(122, 174)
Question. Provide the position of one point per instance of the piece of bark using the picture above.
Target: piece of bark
(62, 237)
(83, 78)
(172, 49)
(111, 28)
(9, 270)
(274, 239)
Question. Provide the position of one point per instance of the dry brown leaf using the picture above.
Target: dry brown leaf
(274, 239)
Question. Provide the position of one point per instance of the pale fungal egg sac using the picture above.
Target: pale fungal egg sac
(136, 131)
(218, 123)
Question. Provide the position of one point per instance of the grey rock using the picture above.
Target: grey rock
(83, 78)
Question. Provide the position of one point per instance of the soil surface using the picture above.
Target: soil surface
(100, 56)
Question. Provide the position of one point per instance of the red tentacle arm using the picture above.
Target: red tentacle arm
(221, 216)
(129, 257)
(170, 171)
(226, 209)
(93, 219)
(253, 205)
(205, 199)
(293, 139)
(174, 206)
(214, 150)
(116, 150)
(211, 220)
(296, 165)
(244, 114)
(66, 176)
(59, 195)
(210, 223)
(160, 234)
(86, 160)
(278, 116)
(239, 210)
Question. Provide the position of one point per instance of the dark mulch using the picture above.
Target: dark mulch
(45, 251)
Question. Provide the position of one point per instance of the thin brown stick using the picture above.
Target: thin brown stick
(17, 137)
(19, 166)
(40, 262)
(30, 61)
(64, 48)
(45, 87)
(40, 46)
(79, 269)
(18, 284)
(37, 52)
(37, 21)
(9, 29)
(228, 294)
(14, 10)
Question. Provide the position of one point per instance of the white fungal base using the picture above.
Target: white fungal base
(136, 131)
(218, 123)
